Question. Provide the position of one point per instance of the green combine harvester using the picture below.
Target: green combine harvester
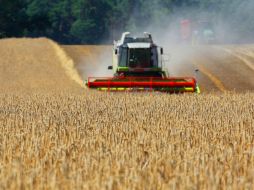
(138, 66)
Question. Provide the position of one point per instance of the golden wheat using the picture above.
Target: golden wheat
(67, 63)
(34, 65)
(58, 135)
(126, 141)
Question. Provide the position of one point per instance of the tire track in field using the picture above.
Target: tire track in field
(241, 56)
(212, 77)
(186, 59)
(233, 73)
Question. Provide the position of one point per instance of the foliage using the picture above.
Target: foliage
(88, 21)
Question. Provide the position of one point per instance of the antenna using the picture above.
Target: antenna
(148, 35)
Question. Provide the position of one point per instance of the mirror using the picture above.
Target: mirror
(110, 67)
(196, 73)
(162, 51)
(115, 51)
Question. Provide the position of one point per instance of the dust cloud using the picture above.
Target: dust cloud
(92, 61)
(230, 20)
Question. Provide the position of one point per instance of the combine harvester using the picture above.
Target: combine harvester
(138, 66)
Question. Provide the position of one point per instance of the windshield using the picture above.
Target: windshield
(143, 57)
(123, 57)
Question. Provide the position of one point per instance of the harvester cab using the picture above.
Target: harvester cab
(138, 66)
(137, 57)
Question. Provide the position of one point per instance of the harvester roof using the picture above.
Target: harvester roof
(135, 42)
(138, 45)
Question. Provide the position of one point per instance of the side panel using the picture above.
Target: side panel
(115, 59)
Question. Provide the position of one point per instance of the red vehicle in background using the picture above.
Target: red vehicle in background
(186, 30)
(199, 32)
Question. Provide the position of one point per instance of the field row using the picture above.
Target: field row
(127, 141)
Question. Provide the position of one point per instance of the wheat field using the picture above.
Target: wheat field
(56, 134)
(37, 65)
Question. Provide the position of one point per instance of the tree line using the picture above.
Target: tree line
(99, 21)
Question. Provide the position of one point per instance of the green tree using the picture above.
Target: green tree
(38, 18)
(90, 21)
(93, 21)
(61, 18)
(12, 18)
